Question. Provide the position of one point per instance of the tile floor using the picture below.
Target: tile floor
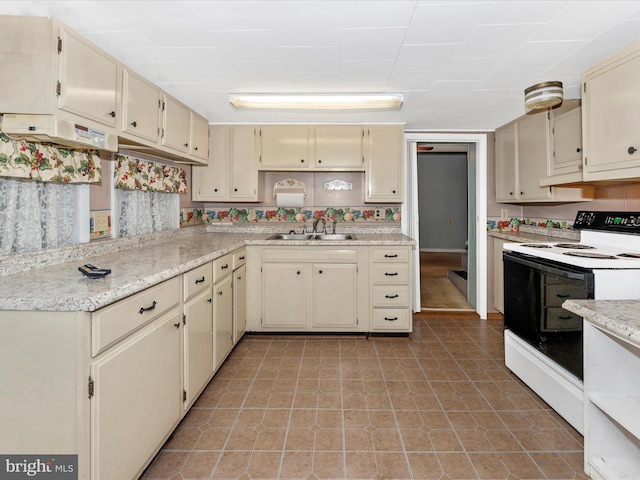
(438, 406)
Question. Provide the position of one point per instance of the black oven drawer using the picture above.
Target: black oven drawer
(557, 319)
(556, 292)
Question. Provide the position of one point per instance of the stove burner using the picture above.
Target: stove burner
(537, 245)
(574, 246)
(629, 255)
(590, 255)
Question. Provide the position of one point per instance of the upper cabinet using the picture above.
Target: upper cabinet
(565, 156)
(611, 117)
(140, 107)
(338, 147)
(175, 125)
(523, 149)
(198, 136)
(383, 174)
(285, 147)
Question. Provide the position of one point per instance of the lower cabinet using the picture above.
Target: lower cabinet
(498, 275)
(239, 302)
(391, 289)
(222, 309)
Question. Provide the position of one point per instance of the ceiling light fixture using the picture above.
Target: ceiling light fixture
(543, 95)
(387, 101)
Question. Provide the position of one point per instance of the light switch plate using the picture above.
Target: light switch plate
(504, 214)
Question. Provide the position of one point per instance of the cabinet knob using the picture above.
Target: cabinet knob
(134, 124)
(320, 271)
(235, 189)
(210, 300)
(215, 189)
(578, 150)
(632, 150)
(302, 160)
(177, 325)
(195, 148)
(185, 145)
(112, 114)
(319, 161)
(393, 191)
(298, 272)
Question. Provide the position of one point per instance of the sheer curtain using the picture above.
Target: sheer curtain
(35, 215)
(138, 212)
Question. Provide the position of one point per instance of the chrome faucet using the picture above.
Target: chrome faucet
(333, 226)
(324, 224)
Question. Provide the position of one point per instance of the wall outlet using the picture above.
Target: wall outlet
(379, 213)
(504, 214)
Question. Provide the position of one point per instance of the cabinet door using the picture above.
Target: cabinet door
(209, 183)
(566, 132)
(140, 107)
(285, 147)
(175, 125)
(198, 136)
(198, 344)
(612, 119)
(88, 80)
(239, 303)
(223, 319)
(498, 275)
(284, 293)
(243, 164)
(334, 296)
(384, 164)
(506, 164)
(339, 147)
(532, 154)
(138, 399)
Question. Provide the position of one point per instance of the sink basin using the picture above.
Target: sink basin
(291, 236)
(334, 236)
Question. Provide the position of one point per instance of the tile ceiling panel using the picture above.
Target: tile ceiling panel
(461, 64)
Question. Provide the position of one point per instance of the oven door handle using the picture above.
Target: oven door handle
(539, 264)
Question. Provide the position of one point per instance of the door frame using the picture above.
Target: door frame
(409, 212)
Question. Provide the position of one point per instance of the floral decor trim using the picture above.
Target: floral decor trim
(280, 214)
(515, 223)
(135, 174)
(47, 163)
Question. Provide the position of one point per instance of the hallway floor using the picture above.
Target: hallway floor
(436, 290)
(440, 405)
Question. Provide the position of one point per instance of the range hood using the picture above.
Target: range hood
(74, 133)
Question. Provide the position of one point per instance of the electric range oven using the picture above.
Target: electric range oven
(543, 342)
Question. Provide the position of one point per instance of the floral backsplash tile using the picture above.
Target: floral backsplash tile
(495, 223)
(191, 216)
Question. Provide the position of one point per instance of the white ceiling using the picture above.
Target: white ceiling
(461, 65)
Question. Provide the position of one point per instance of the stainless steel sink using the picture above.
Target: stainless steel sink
(291, 236)
(334, 236)
(312, 236)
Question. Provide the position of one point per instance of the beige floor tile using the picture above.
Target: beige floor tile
(489, 465)
(424, 466)
(392, 465)
(213, 439)
(199, 465)
(328, 465)
(232, 464)
(360, 465)
(296, 465)
(456, 465)
(521, 466)
(264, 465)
(166, 464)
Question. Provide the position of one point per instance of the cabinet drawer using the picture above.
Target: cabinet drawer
(557, 319)
(391, 273)
(307, 254)
(390, 255)
(110, 324)
(391, 318)
(390, 296)
(222, 267)
(197, 280)
(239, 258)
(556, 294)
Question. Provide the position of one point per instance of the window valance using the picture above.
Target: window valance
(135, 174)
(47, 163)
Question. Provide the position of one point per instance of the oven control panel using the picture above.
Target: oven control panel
(620, 222)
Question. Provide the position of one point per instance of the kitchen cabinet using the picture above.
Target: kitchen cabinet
(198, 136)
(239, 286)
(612, 424)
(140, 107)
(198, 331)
(231, 174)
(522, 151)
(611, 117)
(175, 125)
(384, 165)
(308, 288)
(285, 147)
(222, 308)
(566, 143)
(338, 147)
(498, 274)
(390, 289)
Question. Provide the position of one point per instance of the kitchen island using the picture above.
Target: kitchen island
(611, 386)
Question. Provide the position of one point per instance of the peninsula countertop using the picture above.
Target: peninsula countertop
(618, 317)
(62, 287)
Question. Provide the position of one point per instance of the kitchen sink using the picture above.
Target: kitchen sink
(312, 236)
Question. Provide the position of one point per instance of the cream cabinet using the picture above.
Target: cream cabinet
(391, 290)
(222, 308)
(308, 288)
(231, 174)
(198, 331)
(384, 165)
(175, 125)
(239, 286)
(566, 155)
(611, 117)
(338, 147)
(498, 274)
(285, 147)
(140, 103)
(522, 163)
(198, 136)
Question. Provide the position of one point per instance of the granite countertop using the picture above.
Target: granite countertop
(621, 318)
(61, 287)
(531, 234)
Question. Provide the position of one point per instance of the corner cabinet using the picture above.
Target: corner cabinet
(611, 117)
(231, 174)
(384, 166)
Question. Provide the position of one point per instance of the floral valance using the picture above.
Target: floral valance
(47, 163)
(135, 174)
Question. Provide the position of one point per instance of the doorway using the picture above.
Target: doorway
(477, 195)
(442, 178)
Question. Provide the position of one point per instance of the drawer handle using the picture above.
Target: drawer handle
(390, 256)
(565, 317)
(562, 295)
(391, 319)
(200, 280)
(391, 274)
(146, 309)
(392, 296)
(226, 265)
(177, 325)
(241, 258)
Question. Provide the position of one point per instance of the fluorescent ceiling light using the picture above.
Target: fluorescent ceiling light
(318, 102)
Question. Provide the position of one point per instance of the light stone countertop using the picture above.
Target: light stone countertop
(62, 287)
(618, 317)
(528, 234)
